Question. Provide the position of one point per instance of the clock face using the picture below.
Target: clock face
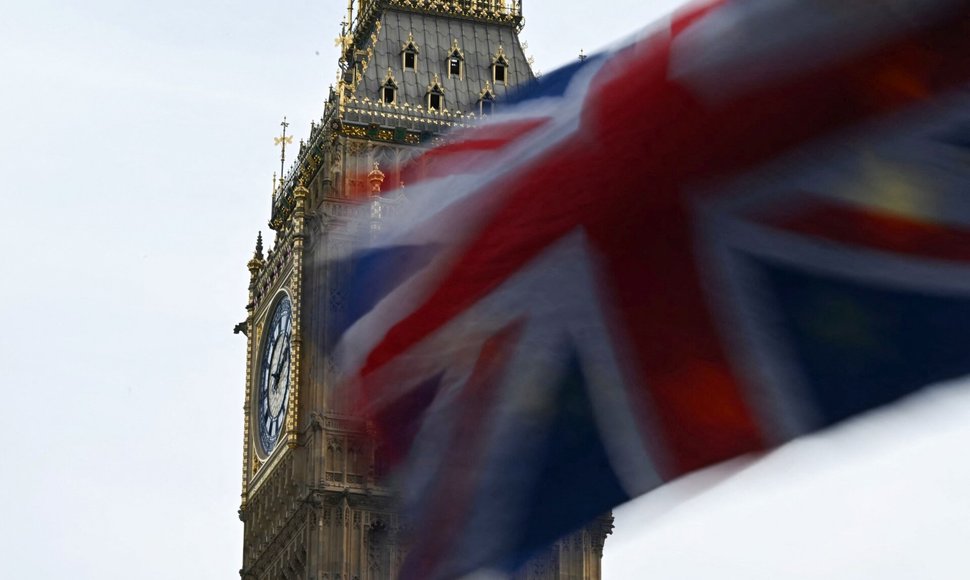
(274, 376)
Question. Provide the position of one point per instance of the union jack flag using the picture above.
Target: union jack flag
(746, 224)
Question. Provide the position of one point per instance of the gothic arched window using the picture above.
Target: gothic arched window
(500, 67)
(456, 61)
(381, 463)
(389, 89)
(409, 54)
(486, 101)
(436, 95)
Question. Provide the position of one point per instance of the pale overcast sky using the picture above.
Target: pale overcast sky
(136, 156)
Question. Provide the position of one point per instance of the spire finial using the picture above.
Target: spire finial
(256, 263)
(283, 140)
(376, 179)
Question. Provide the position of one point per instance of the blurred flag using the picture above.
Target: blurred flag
(750, 222)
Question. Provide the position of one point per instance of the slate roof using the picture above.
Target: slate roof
(433, 35)
(481, 27)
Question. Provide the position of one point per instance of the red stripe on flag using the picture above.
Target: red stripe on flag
(690, 14)
(455, 484)
(881, 231)
(691, 396)
(620, 178)
(468, 150)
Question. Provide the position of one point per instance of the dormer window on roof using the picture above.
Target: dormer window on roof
(456, 61)
(486, 101)
(389, 89)
(409, 54)
(500, 67)
(436, 95)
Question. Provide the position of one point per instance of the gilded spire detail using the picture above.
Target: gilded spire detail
(375, 178)
(283, 140)
(455, 49)
(504, 11)
(409, 45)
(256, 263)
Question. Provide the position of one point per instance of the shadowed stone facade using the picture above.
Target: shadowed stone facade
(311, 503)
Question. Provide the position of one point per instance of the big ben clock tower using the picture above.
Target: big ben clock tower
(311, 502)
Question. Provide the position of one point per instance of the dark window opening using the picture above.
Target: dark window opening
(454, 66)
(500, 73)
(388, 95)
(488, 105)
(381, 463)
(435, 101)
(410, 61)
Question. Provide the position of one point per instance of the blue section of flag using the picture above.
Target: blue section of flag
(958, 137)
(560, 500)
(553, 84)
(405, 415)
(368, 277)
(862, 346)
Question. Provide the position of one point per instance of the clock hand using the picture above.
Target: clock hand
(275, 352)
(281, 363)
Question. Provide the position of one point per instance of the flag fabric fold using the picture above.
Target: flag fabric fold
(746, 224)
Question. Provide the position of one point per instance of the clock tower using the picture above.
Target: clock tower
(312, 505)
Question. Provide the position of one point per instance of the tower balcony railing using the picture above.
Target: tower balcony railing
(471, 7)
(505, 11)
(414, 117)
